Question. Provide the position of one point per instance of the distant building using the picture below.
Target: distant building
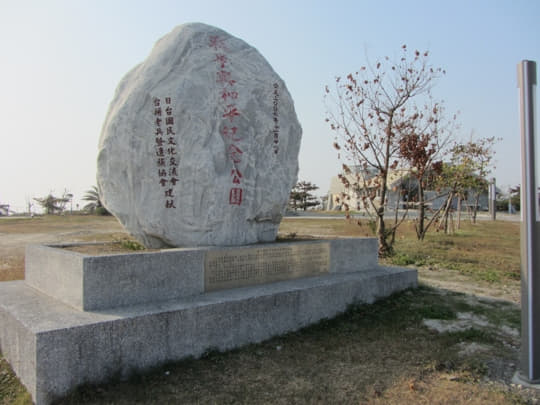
(401, 192)
(367, 185)
(4, 209)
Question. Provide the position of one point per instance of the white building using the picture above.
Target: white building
(361, 183)
(340, 196)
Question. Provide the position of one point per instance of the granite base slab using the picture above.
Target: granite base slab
(54, 347)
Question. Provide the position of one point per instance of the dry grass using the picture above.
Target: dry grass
(488, 251)
(56, 223)
(373, 354)
(325, 227)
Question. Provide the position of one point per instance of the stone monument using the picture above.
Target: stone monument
(199, 149)
(200, 144)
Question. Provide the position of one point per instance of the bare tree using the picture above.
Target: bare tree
(370, 111)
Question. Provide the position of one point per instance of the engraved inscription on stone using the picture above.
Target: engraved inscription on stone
(248, 266)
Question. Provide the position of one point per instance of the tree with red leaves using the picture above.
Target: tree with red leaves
(421, 147)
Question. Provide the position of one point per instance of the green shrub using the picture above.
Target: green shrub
(102, 211)
(131, 244)
(402, 259)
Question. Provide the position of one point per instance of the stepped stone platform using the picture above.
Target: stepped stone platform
(80, 318)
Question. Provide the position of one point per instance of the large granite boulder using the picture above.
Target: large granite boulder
(200, 144)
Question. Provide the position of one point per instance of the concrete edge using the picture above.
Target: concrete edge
(519, 379)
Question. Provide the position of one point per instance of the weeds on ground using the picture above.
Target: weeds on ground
(130, 244)
(12, 392)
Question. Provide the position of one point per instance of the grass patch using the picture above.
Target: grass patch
(469, 335)
(11, 390)
(488, 251)
(437, 311)
(403, 259)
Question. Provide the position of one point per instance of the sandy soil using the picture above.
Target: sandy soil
(454, 281)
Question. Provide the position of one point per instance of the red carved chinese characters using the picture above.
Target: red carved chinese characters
(217, 43)
(221, 60)
(231, 112)
(166, 151)
(229, 131)
(225, 78)
(235, 196)
(235, 153)
(225, 95)
(236, 175)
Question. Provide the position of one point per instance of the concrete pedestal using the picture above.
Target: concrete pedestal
(53, 344)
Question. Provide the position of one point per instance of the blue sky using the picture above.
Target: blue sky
(61, 62)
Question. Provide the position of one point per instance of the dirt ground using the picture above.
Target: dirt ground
(17, 233)
(453, 281)
(426, 387)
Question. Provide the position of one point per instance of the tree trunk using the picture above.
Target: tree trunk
(475, 208)
(447, 213)
(385, 249)
(448, 204)
(458, 212)
(420, 231)
(394, 227)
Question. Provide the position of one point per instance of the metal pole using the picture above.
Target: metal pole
(492, 198)
(530, 230)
